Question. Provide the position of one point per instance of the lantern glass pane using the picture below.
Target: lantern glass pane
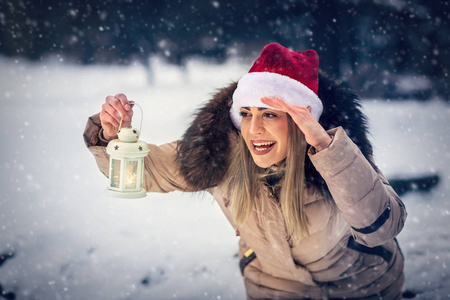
(115, 173)
(131, 175)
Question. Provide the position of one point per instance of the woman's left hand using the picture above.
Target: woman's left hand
(315, 134)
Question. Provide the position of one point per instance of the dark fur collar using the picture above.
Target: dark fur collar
(204, 148)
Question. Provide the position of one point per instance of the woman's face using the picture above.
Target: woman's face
(265, 132)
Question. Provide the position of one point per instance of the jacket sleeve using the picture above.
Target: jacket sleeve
(369, 204)
(160, 174)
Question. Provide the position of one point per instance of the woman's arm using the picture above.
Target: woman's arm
(160, 173)
(370, 206)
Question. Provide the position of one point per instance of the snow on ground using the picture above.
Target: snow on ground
(70, 241)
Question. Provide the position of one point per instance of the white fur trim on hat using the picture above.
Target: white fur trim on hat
(254, 86)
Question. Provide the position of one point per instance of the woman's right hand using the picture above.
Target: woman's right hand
(115, 108)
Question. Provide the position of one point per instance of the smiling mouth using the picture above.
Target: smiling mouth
(263, 147)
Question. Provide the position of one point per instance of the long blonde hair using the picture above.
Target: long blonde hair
(244, 179)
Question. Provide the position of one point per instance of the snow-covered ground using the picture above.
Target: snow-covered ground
(70, 241)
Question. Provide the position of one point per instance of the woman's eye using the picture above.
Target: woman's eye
(244, 114)
(270, 115)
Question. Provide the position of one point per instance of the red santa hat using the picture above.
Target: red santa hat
(292, 76)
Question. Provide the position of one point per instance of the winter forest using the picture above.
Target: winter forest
(62, 237)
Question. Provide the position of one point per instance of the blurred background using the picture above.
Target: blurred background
(371, 44)
(61, 237)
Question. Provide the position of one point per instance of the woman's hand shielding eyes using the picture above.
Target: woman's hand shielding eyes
(315, 134)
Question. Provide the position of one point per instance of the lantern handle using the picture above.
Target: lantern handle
(142, 116)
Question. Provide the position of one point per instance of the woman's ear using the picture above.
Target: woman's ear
(309, 108)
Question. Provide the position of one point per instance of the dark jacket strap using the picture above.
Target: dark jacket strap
(377, 224)
(248, 257)
(378, 250)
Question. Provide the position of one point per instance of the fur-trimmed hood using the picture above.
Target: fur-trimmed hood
(203, 151)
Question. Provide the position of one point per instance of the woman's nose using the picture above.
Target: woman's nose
(256, 126)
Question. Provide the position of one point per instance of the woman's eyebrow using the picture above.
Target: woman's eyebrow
(259, 108)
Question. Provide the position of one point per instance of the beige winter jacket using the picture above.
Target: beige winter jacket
(351, 251)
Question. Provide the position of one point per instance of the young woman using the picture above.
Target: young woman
(285, 153)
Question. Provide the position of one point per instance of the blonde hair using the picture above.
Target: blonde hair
(244, 178)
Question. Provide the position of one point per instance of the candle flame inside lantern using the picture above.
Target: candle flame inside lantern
(131, 175)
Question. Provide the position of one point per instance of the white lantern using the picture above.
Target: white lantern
(126, 164)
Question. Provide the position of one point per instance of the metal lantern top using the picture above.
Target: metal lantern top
(128, 144)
